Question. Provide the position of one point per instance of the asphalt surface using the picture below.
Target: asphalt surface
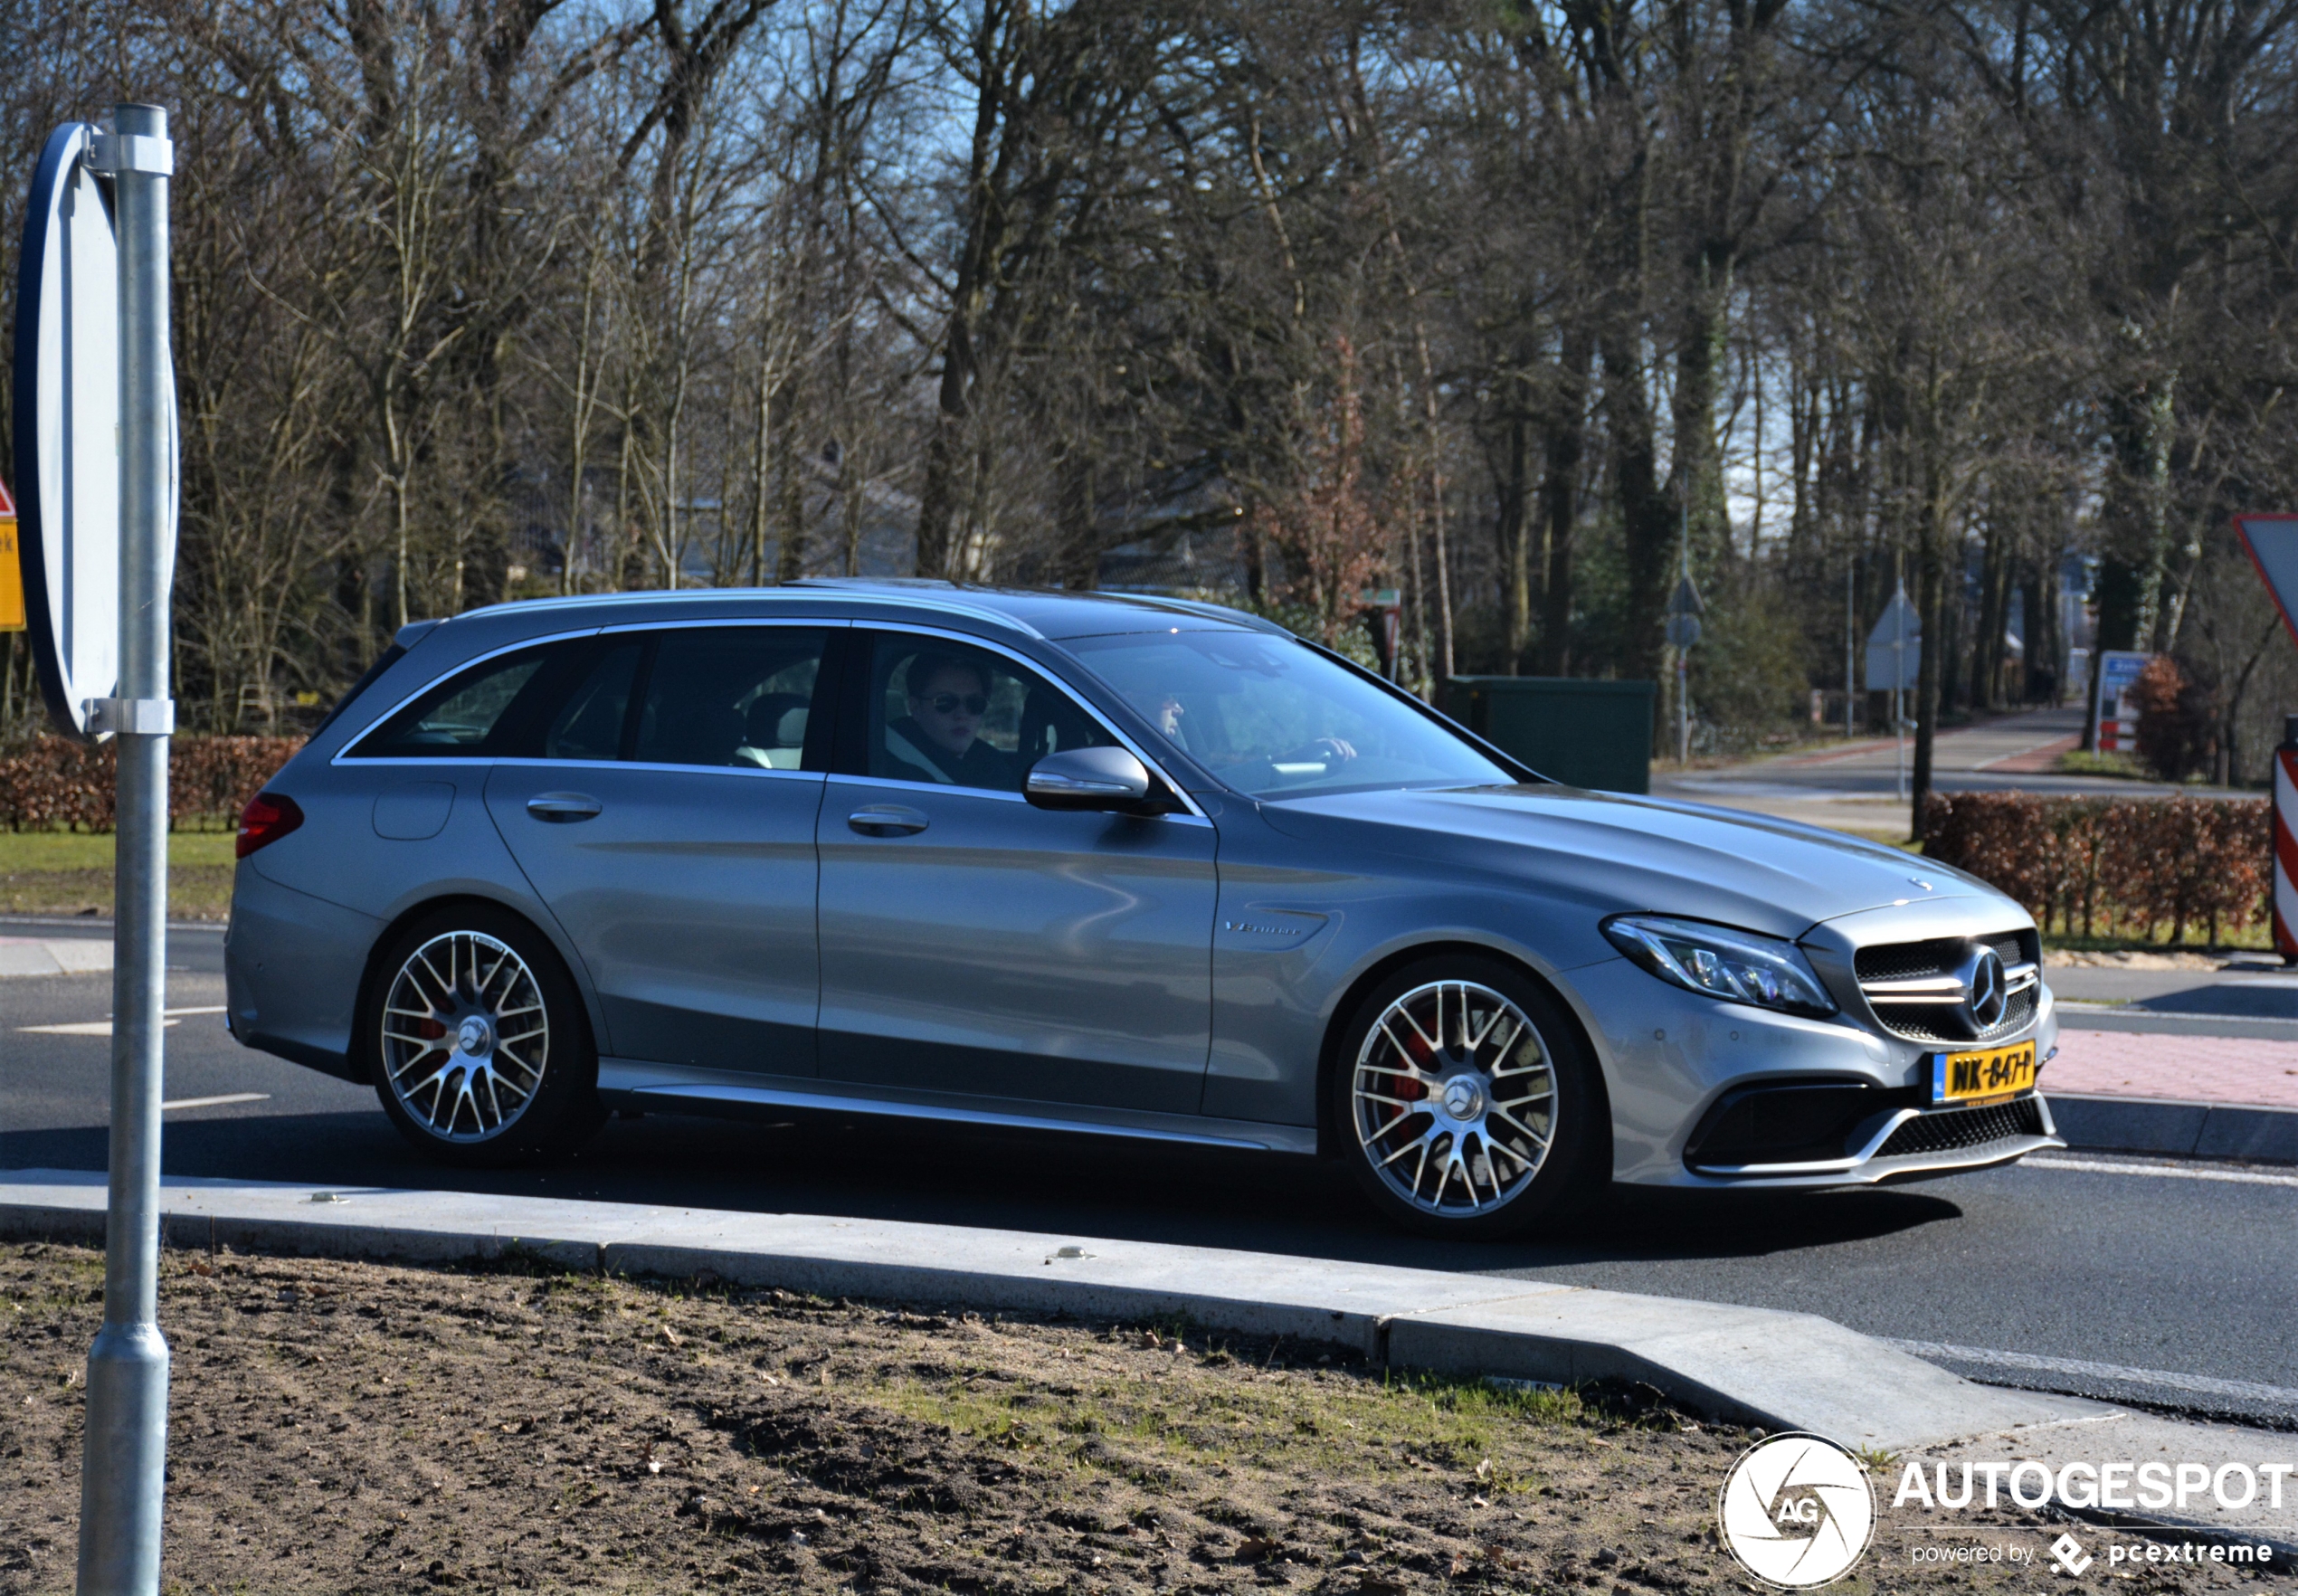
(2161, 1284)
(1858, 787)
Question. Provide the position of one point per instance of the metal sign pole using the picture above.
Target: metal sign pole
(124, 1461)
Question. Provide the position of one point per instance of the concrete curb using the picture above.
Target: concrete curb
(1783, 1371)
(59, 956)
(2180, 1129)
(2074, 1015)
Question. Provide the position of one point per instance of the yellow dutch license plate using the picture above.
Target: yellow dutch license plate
(1983, 1076)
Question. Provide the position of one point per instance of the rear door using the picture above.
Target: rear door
(665, 812)
(974, 943)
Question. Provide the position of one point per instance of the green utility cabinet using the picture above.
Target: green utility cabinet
(1588, 734)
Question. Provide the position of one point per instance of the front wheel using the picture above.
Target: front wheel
(1464, 1099)
(478, 1045)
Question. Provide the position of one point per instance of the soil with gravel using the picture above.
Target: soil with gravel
(343, 1426)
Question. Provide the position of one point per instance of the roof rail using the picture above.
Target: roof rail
(919, 593)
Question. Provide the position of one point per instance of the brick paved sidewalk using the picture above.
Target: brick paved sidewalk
(2189, 1069)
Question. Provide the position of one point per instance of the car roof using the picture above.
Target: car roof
(1039, 613)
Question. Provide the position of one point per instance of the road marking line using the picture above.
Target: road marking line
(2113, 1166)
(81, 1028)
(219, 1102)
(103, 1027)
(2202, 1383)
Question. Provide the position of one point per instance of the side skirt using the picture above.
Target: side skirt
(626, 1083)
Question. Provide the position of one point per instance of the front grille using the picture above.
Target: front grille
(1939, 959)
(1899, 961)
(1954, 1130)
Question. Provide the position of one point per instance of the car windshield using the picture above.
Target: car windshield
(1276, 720)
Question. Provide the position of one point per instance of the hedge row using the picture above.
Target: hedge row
(53, 784)
(2145, 863)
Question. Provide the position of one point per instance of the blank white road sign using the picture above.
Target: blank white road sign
(2272, 543)
(1894, 648)
(66, 381)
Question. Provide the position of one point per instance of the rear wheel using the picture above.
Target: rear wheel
(478, 1043)
(1464, 1099)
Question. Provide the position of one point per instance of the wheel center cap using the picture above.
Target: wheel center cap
(1463, 1097)
(474, 1037)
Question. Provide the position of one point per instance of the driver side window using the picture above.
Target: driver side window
(951, 715)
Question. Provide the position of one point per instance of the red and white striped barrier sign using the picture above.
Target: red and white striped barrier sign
(2286, 849)
(2272, 542)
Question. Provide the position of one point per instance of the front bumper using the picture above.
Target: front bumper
(1915, 1145)
(1669, 1057)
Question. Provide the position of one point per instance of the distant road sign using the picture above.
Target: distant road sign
(1894, 648)
(2272, 544)
(11, 567)
(1683, 611)
(2117, 729)
(67, 393)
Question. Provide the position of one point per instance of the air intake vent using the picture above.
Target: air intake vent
(1957, 1130)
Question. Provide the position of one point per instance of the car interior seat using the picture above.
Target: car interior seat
(774, 731)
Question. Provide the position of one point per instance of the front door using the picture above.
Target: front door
(667, 820)
(973, 944)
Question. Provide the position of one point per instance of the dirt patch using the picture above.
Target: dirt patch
(352, 1428)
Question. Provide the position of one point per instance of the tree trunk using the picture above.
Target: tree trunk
(1559, 503)
(1511, 532)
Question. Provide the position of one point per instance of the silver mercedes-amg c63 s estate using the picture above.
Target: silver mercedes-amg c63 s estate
(1096, 863)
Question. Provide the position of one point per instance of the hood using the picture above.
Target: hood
(1619, 853)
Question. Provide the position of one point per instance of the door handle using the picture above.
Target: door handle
(886, 819)
(563, 807)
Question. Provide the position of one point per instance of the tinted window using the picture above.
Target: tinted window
(1272, 717)
(964, 717)
(467, 716)
(588, 724)
(730, 696)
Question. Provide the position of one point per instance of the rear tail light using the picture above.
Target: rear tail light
(267, 817)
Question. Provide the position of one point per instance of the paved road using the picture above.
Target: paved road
(2090, 1265)
(1856, 788)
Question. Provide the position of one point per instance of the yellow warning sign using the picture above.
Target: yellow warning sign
(11, 577)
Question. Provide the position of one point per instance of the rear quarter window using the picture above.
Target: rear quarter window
(469, 716)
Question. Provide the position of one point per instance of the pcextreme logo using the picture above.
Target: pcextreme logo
(1797, 1511)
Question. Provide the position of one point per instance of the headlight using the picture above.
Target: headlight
(1715, 961)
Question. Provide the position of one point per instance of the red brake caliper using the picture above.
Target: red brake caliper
(1405, 1086)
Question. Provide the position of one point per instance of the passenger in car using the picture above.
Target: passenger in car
(939, 740)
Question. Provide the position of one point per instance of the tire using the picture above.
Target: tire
(477, 1041)
(1495, 1138)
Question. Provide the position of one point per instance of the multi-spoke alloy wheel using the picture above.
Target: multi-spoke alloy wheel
(1455, 1102)
(480, 1053)
(1464, 1096)
(466, 1037)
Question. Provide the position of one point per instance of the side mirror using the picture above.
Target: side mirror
(1105, 779)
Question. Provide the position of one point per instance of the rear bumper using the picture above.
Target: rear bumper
(292, 966)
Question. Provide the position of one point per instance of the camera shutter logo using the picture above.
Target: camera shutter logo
(1797, 1511)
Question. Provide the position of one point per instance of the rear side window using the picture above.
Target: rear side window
(467, 716)
(740, 696)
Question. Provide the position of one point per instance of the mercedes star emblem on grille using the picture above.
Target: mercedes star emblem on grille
(1985, 996)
